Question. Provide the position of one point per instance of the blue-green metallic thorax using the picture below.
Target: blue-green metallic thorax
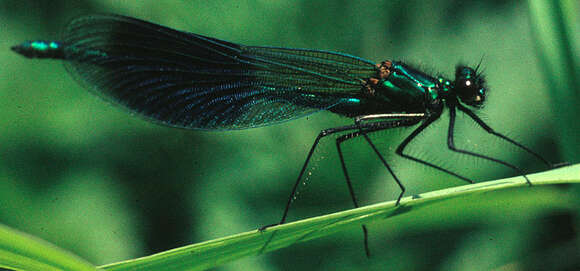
(410, 81)
(408, 87)
(444, 84)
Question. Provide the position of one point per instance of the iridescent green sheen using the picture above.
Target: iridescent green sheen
(40, 49)
(39, 45)
(44, 45)
(409, 87)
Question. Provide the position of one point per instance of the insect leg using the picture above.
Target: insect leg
(321, 135)
(402, 121)
(401, 148)
(451, 144)
(375, 127)
(488, 129)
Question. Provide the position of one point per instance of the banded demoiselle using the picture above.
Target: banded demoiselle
(192, 81)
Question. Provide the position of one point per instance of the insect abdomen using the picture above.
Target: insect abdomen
(40, 49)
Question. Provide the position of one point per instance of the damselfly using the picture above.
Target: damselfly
(192, 81)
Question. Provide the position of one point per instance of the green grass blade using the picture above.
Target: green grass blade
(444, 206)
(20, 251)
(556, 28)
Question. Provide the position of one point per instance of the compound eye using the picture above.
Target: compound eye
(473, 96)
(469, 86)
(479, 97)
(467, 83)
(470, 92)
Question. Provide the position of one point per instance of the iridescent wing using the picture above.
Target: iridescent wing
(196, 82)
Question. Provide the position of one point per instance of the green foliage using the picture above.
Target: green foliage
(556, 26)
(456, 206)
(20, 251)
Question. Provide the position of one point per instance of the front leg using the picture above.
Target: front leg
(401, 149)
(488, 129)
(451, 145)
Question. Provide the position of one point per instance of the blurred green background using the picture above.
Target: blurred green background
(109, 186)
